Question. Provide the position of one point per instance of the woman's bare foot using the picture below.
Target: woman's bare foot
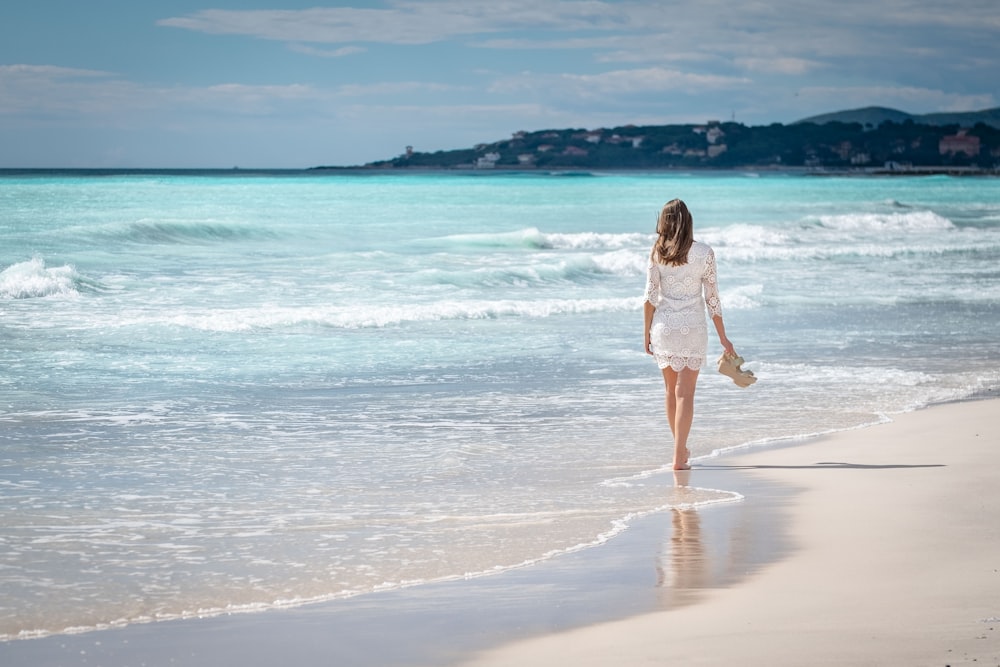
(681, 455)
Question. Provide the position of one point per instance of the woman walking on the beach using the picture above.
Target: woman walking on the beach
(680, 282)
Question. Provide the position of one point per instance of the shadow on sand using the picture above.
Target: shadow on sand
(824, 465)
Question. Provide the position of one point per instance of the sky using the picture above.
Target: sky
(280, 84)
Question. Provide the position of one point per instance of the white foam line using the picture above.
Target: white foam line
(618, 526)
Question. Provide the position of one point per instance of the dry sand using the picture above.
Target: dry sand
(895, 561)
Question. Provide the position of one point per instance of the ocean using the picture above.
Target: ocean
(235, 391)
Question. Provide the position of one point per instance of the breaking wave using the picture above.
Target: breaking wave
(32, 280)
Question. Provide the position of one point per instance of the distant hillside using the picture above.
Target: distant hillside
(862, 139)
(875, 116)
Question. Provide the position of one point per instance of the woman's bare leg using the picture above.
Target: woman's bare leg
(670, 385)
(679, 404)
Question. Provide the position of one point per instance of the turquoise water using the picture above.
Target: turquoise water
(231, 391)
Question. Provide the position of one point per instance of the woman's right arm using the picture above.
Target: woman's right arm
(648, 311)
(652, 296)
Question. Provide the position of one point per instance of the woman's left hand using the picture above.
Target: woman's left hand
(727, 345)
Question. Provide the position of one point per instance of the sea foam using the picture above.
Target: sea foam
(32, 279)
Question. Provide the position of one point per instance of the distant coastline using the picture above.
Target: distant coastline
(874, 140)
(362, 171)
(578, 171)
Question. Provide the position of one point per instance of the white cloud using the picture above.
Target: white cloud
(961, 14)
(402, 22)
(33, 90)
(695, 46)
(52, 90)
(425, 21)
(618, 82)
(447, 113)
(623, 31)
(392, 88)
(48, 72)
(235, 98)
(521, 43)
(326, 53)
(777, 65)
(59, 92)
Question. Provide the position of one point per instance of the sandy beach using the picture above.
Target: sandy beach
(878, 546)
(896, 561)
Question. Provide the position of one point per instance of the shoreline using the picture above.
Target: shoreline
(896, 561)
(361, 170)
(447, 622)
(670, 586)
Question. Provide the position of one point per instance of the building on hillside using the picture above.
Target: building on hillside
(954, 144)
(618, 139)
(714, 133)
(717, 150)
(488, 161)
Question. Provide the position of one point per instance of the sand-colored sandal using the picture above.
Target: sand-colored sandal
(729, 365)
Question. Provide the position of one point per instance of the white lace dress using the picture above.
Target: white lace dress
(679, 332)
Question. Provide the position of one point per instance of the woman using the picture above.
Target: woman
(680, 282)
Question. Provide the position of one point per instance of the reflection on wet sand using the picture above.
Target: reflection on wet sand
(682, 567)
(704, 554)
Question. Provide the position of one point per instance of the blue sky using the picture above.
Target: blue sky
(272, 83)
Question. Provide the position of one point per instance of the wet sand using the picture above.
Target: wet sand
(878, 546)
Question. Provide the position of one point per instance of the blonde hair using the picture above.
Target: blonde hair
(675, 229)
